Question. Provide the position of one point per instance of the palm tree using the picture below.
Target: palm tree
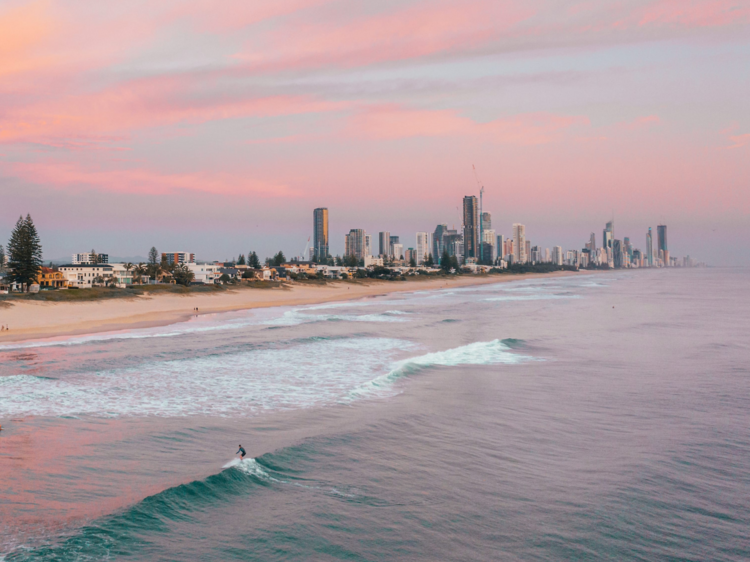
(138, 273)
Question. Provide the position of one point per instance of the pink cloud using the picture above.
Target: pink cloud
(140, 104)
(641, 122)
(696, 13)
(144, 181)
(414, 31)
(393, 122)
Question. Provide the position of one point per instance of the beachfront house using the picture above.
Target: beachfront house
(49, 278)
(85, 276)
(204, 273)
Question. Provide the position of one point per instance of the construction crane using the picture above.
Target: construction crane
(304, 252)
(481, 226)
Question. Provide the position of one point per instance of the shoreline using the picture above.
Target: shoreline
(33, 320)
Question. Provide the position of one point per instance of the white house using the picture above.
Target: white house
(83, 276)
(204, 273)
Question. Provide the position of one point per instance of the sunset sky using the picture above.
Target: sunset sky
(217, 127)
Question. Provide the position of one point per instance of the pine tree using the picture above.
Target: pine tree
(445, 261)
(279, 258)
(241, 260)
(429, 262)
(2, 258)
(253, 261)
(24, 253)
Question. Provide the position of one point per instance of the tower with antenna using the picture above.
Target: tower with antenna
(481, 211)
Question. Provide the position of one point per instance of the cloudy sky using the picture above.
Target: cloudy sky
(217, 127)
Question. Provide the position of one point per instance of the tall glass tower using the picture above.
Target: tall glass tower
(471, 227)
(650, 248)
(320, 229)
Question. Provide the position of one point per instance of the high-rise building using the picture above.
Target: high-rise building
(557, 255)
(178, 257)
(471, 227)
(438, 245)
(486, 221)
(617, 254)
(592, 244)
(355, 243)
(528, 249)
(422, 247)
(320, 233)
(547, 256)
(368, 244)
(384, 244)
(489, 252)
(650, 248)
(394, 240)
(501, 246)
(88, 258)
(519, 243)
(661, 233)
(398, 251)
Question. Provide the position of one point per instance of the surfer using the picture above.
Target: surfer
(241, 453)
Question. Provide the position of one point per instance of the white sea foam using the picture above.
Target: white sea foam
(477, 353)
(246, 383)
(300, 316)
(536, 297)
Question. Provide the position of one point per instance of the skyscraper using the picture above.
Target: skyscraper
(486, 221)
(489, 252)
(519, 243)
(650, 248)
(438, 244)
(368, 244)
(422, 247)
(471, 227)
(617, 254)
(557, 255)
(501, 246)
(661, 233)
(320, 230)
(355, 243)
(384, 244)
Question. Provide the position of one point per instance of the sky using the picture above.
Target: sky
(217, 127)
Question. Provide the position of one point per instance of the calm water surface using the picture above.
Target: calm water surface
(595, 417)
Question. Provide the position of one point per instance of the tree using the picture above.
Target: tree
(138, 272)
(94, 257)
(279, 258)
(350, 261)
(2, 258)
(445, 261)
(24, 253)
(412, 262)
(253, 261)
(225, 278)
(241, 259)
(153, 263)
(429, 262)
(183, 275)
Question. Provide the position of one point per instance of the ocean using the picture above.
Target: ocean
(593, 417)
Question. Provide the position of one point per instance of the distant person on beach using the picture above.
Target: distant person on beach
(241, 453)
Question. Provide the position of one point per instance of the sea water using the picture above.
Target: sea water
(592, 417)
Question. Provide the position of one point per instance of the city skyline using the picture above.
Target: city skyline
(205, 129)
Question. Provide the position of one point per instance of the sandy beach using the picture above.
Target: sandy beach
(35, 320)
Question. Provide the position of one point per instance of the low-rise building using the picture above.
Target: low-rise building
(49, 278)
(204, 273)
(84, 276)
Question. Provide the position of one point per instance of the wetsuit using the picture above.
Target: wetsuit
(241, 452)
